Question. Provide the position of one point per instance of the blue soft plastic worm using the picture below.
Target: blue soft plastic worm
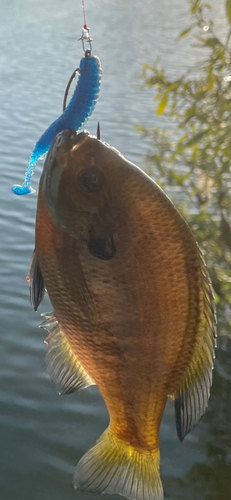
(77, 112)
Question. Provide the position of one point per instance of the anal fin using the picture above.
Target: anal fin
(37, 289)
(191, 398)
(62, 364)
(112, 466)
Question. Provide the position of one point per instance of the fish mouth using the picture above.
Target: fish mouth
(58, 160)
(68, 139)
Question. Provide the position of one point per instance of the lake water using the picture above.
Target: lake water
(42, 435)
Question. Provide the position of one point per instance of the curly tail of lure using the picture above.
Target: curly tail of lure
(74, 116)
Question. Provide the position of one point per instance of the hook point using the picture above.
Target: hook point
(98, 131)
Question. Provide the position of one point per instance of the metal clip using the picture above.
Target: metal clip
(86, 38)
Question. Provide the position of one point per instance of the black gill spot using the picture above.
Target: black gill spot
(91, 179)
(101, 247)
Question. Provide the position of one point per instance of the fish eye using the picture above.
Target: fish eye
(90, 179)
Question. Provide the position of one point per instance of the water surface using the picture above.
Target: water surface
(42, 435)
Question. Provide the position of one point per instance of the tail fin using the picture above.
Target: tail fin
(112, 466)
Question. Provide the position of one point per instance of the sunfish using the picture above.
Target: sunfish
(133, 307)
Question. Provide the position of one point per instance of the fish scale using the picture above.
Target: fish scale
(133, 303)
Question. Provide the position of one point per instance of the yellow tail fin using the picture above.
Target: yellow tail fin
(112, 466)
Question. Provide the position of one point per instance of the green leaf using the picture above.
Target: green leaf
(195, 6)
(179, 178)
(228, 37)
(212, 41)
(163, 104)
(185, 32)
(174, 85)
(141, 129)
(228, 10)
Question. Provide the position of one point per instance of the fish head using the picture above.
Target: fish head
(78, 185)
(68, 178)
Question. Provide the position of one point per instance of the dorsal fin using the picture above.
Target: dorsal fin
(35, 279)
(62, 364)
(192, 395)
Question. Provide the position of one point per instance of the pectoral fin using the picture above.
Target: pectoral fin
(35, 279)
(192, 395)
(62, 364)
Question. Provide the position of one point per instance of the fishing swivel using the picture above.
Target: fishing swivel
(85, 38)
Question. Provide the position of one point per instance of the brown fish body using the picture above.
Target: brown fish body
(131, 296)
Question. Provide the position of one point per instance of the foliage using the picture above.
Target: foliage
(196, 155)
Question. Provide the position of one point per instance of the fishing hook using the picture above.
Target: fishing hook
(98, 131)
(68, 87)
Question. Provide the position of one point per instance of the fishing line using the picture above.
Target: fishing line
(79, 108)
(84, 15)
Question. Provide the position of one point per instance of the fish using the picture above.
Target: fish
(133, 307)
